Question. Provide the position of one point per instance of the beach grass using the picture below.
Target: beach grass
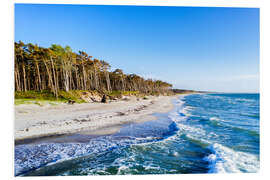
(39, 102)
(46, 97)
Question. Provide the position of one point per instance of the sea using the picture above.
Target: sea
(204, 133)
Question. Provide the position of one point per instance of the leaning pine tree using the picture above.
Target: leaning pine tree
(59, 68)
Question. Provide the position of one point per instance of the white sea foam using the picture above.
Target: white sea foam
(226, 160)
(29, 157)
(193, 132)
(175, 153)
(185, 110)
(244, 100)
(174, 115)
(222, 159)
(214, 119)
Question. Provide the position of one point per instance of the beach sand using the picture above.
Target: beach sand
(33, 121)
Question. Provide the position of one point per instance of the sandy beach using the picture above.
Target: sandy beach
(33, 121)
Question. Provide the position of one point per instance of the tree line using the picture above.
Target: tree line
(59, 68)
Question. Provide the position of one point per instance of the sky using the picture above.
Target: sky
(198, 48)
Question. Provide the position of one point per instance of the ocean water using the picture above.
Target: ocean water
(204, 133)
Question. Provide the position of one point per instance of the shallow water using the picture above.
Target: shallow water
(205, 133)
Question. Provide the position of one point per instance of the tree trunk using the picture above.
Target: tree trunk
(24, 79)
(50, 81)
(95, 78)
(108, 82)
(77, 79)
(55, 80)
(84, 79)
(38, 74)
(17, 78)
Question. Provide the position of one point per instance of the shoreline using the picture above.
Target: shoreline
(34, 122)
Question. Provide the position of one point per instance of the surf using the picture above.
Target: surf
(189, 139)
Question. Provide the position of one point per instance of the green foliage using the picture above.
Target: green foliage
(39, 102)
(41, 97)
(47, 97)
(183, 91)
(57, 71)
(74, 95)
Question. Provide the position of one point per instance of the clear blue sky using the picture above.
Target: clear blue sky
(214, 49)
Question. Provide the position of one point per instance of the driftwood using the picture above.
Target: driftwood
(104, 99)
(71, 101)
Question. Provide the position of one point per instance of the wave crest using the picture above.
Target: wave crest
(226, 160)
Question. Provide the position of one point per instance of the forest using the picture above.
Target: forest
(58, 68)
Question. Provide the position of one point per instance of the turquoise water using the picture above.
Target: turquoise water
(205, 133)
